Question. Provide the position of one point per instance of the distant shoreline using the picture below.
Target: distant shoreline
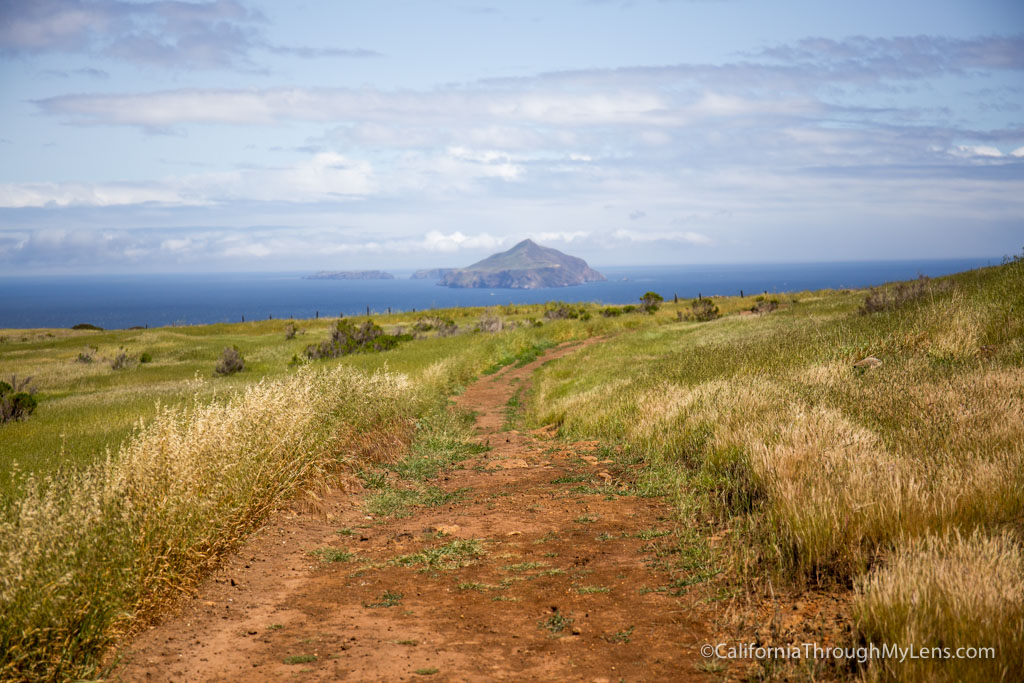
(123, 301)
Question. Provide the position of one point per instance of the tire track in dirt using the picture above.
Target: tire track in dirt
(553, 571)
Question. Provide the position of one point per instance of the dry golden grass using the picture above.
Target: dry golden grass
(948, 592)
(81, 552)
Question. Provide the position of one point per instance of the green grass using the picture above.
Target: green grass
(399, 502)
(453, 555)
(556, 623)
(329, 555)
(387, 599)
(300, 659)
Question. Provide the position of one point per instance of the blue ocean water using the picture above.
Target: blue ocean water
(120, 301)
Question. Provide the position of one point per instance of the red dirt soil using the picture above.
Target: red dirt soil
(570, 585)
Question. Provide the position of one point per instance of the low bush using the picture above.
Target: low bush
(289, 331)
(146, 357)
(651, 301)
(121, 360)
(17, 400)
(704, 310)
(445, 326)
(346, 338)
(887, 298)
(230, 362)
(86, 326)
(87, 356)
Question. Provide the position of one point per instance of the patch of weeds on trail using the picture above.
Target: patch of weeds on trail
(345, 532)
(374, 479)
(524, 357)
(570, 479)
(458, 553)
(621, 636)
(474, 586)
(556, 623)
(504, 598)
(396, 502)
(427, 671)
(586, 519)
(327, 555)
(585, 590)
(513, 410)
(609, 492)
(411, 643)
(524, 566)
(300, 659)
(387, 599)
(443, 439)
(551, 572)
(275, 627)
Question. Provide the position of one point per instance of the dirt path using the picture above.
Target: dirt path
(544, 569)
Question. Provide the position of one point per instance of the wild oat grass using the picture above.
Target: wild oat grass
(79, 553)
(949, 591)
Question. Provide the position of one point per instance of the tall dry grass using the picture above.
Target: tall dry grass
(942, 593)
(82, 552)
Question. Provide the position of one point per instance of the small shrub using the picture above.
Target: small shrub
(492, 323)
(289, 331)
(146, 357)
(650, 301)
(348, 337)
(445, 326)
(17, 400)
(561, 311)
(121, 360)
(705, 310)
(87, 356)
(86, 326)
(884, 299)
(230, 362)
(629, 308)
(611, 312)
(764, 305)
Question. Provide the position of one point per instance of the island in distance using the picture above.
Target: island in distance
(351, 275)
(525, 266)
(431, 273)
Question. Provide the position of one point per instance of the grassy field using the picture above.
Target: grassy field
(904, 480)
(127, 484)
(895, 481)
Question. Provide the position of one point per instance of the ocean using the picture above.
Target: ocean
(120, 301)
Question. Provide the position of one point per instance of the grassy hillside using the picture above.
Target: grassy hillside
(904, 480)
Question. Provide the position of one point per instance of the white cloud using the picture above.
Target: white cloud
(976, 151)
(687, 237)
(323, 177)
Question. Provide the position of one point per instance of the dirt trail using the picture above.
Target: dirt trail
(565, 582)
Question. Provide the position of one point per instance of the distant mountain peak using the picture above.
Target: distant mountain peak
(527, 265)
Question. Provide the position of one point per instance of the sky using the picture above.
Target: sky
(228, 135)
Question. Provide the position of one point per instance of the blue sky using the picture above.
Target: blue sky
(233, 135)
